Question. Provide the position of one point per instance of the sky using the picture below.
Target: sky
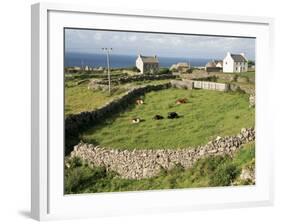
(162, 45)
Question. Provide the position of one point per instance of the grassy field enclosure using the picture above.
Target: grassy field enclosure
(79, 98)
(206, 114)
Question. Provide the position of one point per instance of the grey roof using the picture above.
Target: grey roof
(238, 58)
(210, 64)
(149, 59)
(213, 63)
(218, 61)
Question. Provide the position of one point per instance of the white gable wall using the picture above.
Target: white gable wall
(139, 64)
(230, 66)
(228, 63)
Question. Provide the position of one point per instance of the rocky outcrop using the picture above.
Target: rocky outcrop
(138, 164)
(248, 175)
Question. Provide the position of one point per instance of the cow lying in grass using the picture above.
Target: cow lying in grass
(181, 101)
(172, 115)
(139, 101)
(136, 120)
(158, 117)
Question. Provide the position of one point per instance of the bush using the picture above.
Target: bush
(243, 79)
(235, 77)
(189, 71)
(135, 69)
(224, 175)
(209, 79)
(80, 176)
(74, 162)
(251, 63)
(163, 71)
(236, 88)
(239, 90)
(207, 166)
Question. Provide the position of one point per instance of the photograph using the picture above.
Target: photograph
(157, 111)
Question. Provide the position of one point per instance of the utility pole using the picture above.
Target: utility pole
(107, 50)
(82, 65)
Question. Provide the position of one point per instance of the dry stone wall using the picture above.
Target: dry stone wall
(185, 84)
(145, 77)
(138, 164)
(103, 83)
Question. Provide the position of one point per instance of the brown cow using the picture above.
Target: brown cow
(181, 101)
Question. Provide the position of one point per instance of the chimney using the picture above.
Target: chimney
(228, 54)
(244, 56)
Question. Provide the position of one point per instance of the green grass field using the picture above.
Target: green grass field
(206, 115)
(249, 74)
(207, 172)
(79, 98)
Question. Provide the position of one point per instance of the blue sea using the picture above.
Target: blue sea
(122, 61)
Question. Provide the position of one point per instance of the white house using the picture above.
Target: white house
(235, 63)
(214, 66)
(147, 64)
(181, 67)
(219, 63)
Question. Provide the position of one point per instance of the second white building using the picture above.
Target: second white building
(235, 63)
(147, 64)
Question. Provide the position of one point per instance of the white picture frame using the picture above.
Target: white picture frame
(47, 198)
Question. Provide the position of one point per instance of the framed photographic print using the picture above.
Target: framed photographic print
(148, 111)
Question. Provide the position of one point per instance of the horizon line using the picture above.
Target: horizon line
(164, 56)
